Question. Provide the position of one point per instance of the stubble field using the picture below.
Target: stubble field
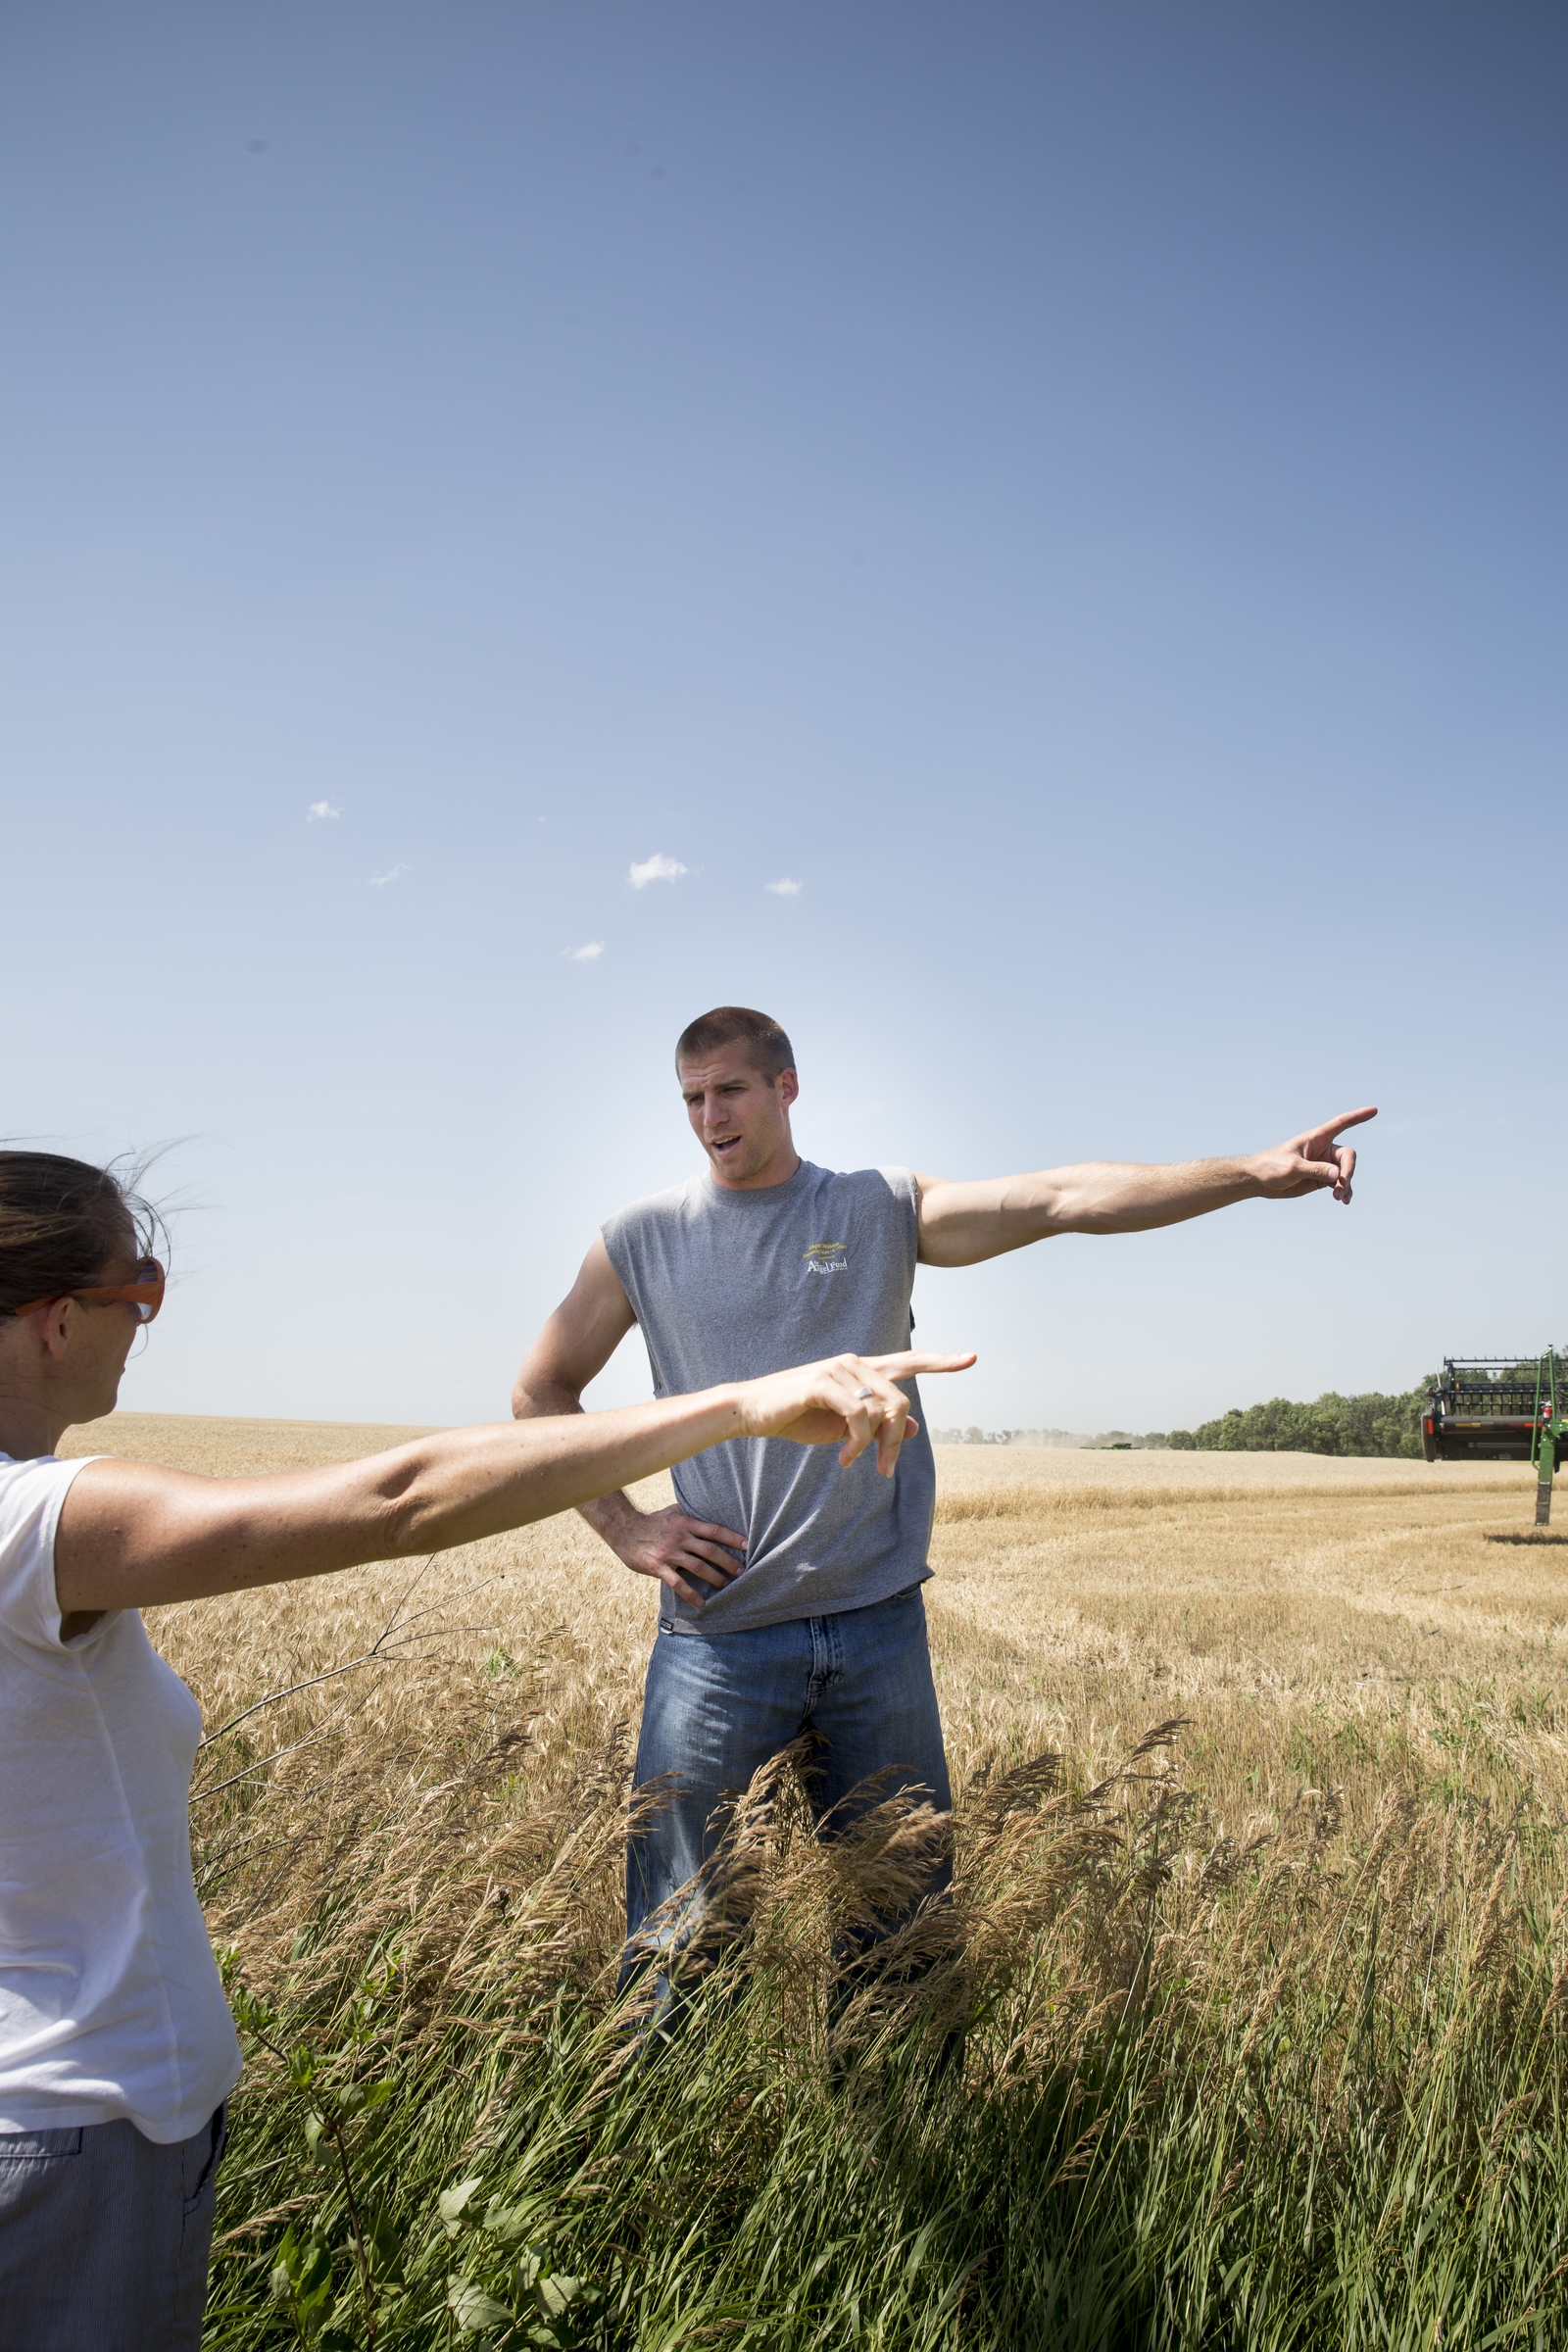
(1248, 2033)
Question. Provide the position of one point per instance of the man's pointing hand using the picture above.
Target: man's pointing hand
(1311, 1162)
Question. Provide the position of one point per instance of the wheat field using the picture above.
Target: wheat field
(1239, 1742)
(1308, 1616)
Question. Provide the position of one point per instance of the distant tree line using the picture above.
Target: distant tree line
(1057, 1438)
(1371, 1424)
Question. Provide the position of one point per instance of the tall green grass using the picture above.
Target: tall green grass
(1135, 2086)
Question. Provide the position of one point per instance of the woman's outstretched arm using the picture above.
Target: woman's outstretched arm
(131, 1535)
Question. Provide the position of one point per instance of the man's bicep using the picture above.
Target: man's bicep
(930, 1200)
(598, 1310)
(963, 1223)
(949, 1216)
(586, 1328)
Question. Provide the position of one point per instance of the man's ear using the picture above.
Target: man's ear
(789, 1087)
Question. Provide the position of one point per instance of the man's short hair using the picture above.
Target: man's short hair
(763, 1041)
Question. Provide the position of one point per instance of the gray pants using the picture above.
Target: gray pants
(104, 2239)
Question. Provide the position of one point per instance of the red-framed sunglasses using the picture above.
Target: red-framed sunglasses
(145, 1294)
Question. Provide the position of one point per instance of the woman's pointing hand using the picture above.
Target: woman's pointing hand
(848, 1400)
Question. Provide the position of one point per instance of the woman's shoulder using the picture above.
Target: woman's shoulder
(32, 1493)
(28, 1483)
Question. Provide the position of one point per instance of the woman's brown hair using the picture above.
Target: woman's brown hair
(60, 1221)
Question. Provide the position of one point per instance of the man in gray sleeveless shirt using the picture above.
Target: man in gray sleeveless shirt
(792, 1598)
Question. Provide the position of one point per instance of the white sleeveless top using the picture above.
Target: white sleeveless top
(110, 2000)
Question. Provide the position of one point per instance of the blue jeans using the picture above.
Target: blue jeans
(719, 1706)
(104, 2239)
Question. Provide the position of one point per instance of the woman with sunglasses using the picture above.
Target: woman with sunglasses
(117, 2049)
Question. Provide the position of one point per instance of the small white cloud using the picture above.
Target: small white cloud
(589, 954)
(784, 888)
(380, 881)
(320, 809)
(656, 868)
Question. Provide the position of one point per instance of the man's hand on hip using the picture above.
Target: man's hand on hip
(688, 1555)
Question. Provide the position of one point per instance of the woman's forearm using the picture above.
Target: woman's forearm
(429, 1487)
(132, 1535)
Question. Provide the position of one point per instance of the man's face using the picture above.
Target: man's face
(740, 1117)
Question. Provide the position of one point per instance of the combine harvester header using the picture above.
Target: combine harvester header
(1498, 1408)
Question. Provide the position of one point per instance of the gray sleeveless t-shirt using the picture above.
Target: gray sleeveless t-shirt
(728, 1285)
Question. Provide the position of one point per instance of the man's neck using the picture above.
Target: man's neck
(778, 1170)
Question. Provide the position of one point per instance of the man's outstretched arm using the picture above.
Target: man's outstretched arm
(688, 1555)
(963, 1224)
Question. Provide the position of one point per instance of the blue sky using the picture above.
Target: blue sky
(1078, 489)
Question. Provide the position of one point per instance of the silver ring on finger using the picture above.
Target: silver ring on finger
(860, 1392)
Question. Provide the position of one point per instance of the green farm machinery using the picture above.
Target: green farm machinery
(1500, 1408)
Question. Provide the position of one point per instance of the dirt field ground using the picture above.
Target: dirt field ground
(1319, 1623)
